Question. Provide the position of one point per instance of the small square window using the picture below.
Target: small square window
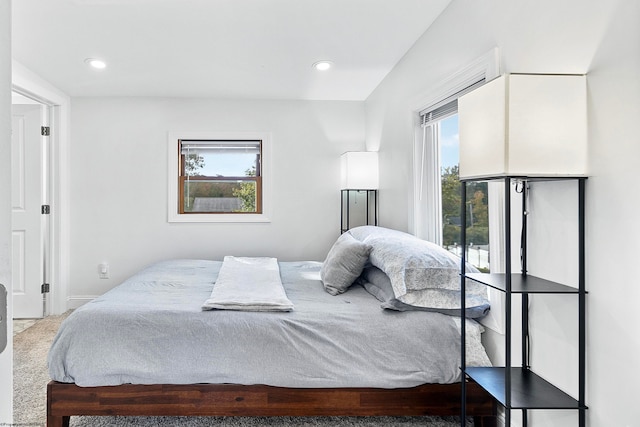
(220, 177)
(217, 178)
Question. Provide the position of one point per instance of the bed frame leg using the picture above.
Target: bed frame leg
(58, 421)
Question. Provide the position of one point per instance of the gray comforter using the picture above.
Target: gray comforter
(151, 330)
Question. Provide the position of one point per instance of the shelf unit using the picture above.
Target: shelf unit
(520, 388)
(370, 210)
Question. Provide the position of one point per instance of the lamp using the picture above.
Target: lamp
(359, 170)
(524, 125)
(359, 174)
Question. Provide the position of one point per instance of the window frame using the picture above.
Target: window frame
(183, 177)
(176, 180)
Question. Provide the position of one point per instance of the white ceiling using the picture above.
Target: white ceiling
(251, 49)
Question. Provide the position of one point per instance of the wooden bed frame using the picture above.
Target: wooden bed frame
(65, 400)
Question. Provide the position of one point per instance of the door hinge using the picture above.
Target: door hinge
(45, 130)
(46, 209)
(44, 289)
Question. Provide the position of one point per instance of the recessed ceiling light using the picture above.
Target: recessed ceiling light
(322, 65)
(95, 63)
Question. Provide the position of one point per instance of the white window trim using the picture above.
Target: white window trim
(172, 185)
(487, 67)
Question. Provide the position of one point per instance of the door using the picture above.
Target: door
(27, 188)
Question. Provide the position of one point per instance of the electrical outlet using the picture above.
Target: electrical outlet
(103, 270)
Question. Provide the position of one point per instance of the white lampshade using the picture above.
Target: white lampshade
(359, 170)
(528, 125)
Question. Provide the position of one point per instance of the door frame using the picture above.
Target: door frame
(27, 83)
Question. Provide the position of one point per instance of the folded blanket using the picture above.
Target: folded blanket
(248, 284)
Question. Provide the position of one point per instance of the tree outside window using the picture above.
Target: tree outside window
(477, 203)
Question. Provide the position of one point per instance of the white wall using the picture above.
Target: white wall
(6, 358)
(572, 36)
(118, 192)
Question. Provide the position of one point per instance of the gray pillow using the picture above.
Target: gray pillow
(345, 261)
(422, 274)
(378, 284)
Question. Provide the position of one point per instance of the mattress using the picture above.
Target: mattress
(151, 330)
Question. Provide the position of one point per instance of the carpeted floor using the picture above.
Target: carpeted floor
(31, 377)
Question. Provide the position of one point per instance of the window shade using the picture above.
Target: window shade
(447, 107)
(220, 147)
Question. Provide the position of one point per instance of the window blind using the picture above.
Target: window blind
(447, 107)
(220, 147)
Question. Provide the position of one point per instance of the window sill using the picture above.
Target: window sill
(218, 218)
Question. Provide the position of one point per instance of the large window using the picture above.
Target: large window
(218, 177)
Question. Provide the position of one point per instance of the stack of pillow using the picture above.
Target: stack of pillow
(402, 271)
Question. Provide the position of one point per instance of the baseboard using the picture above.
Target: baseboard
(79, 300)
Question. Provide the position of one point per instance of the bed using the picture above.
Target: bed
(147, 347)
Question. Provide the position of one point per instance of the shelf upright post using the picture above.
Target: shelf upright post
(372, 195)
(463, 281)
(344, 216)
(348, 207)
(507, 266)
(523, 248)
(367, 207)
(525, 296)
(581, 304)
(375, 207)
(341, 211)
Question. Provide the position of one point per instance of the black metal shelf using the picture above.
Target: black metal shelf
(370, 214)
(521, 284)
(528, 390)
(519, 388)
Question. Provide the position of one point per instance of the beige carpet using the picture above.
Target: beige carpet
(31, 377)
